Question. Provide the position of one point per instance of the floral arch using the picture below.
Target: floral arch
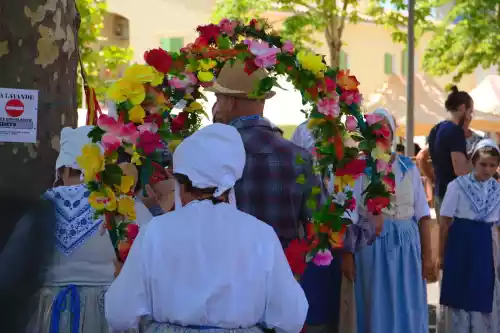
(146, 95)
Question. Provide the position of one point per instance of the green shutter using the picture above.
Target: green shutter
(172, 44)
(343, 60)
(404, 63)
(388, 64)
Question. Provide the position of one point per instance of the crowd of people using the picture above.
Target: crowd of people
(209, 254)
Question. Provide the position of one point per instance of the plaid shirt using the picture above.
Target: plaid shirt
(268, 188)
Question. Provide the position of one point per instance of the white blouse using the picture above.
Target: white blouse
(207, 265)
(456, 203)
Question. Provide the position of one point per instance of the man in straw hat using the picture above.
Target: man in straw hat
(268, 189)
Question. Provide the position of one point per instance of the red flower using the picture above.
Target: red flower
(383, 132)
(255, 24)
(310, 231)
(154, 118)
(351, 204)
(159, 174)
(353, 168)
(149, 142)
(250, 66)
(132, 231)
(209, 32)
(375, 205)
(123, 250)
(296, 256)
(201, 42)
(159, 59)
(179, 122)
(390, 183)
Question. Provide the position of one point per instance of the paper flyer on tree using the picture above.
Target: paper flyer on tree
(18, 115)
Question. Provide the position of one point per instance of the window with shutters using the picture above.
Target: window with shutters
(172, 44)
(388, 64)
(404, 62)
(343, 60)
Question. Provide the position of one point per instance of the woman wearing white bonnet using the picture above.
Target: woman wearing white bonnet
(82, 267)
(207, 266)
(390, 286)
(469, 249)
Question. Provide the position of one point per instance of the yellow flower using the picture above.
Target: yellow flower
(126, 207)
(144, 74)
(91, 161)
(193, 107)
(206, 76)
(313, 122)
(161, 100)
(344, 181)
(312, 62)
(126, 89)
(137, 114)
(379, 153)
(126, 184)
(136, 158)
(172, 145)
(188, 97)
(103, 199)
(206, 64)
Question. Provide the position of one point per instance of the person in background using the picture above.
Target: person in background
(390, 274)
(26, 246)
(325, 285)
(82, 263)
(400, 149)
(470, 289)
(207, 266)
(448, 146)
(268, 188)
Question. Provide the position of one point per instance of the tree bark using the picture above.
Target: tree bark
(38, 43)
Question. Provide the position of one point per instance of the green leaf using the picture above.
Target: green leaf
(112, 175)
(223, 43)
(301, 179)
(96, 134)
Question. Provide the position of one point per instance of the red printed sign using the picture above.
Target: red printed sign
(14, 108)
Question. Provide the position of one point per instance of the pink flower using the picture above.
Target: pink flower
(128, 133)
(265, 56)
(148, 127)
(149, 142)
(375, 205)
(329, 107)
(372, 118)
(111, 142)
(189, 80)
(323, 258)
(390, 183)
(382, 166)
(108, 124)
(287, 47)
(132, 231)
(350, 97)
(351, 123)
(227, 26)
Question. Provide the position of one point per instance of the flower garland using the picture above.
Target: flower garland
(146, 95)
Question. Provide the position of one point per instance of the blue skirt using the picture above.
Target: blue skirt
(321, 285)
(391, 294)
(468, 268)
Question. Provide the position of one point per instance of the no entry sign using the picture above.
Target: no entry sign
(18, 115)
(14, 108)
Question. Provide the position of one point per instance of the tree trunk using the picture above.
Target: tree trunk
(334, 49)
(38, 43)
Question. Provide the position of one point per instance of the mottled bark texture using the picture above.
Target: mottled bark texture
(38, 42)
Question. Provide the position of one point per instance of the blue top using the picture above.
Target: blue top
(445, 138)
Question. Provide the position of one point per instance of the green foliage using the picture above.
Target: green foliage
(242, 10)
(474, 41)
(95, 57)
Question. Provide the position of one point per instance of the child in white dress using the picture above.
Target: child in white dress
(470, 211)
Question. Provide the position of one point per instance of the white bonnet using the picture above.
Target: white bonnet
(72, 142)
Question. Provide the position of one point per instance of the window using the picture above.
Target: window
(343, 60)
(172, 44)
(388, 64)
(404, 62)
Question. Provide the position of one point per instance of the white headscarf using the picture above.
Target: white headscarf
(485, 143)
(72, 142)
(214, 157)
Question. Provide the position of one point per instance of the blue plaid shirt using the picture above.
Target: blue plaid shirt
(268, 189)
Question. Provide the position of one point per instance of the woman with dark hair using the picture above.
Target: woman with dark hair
(447, 143)
(206, 266)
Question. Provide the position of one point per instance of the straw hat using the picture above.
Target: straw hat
(234, 81)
